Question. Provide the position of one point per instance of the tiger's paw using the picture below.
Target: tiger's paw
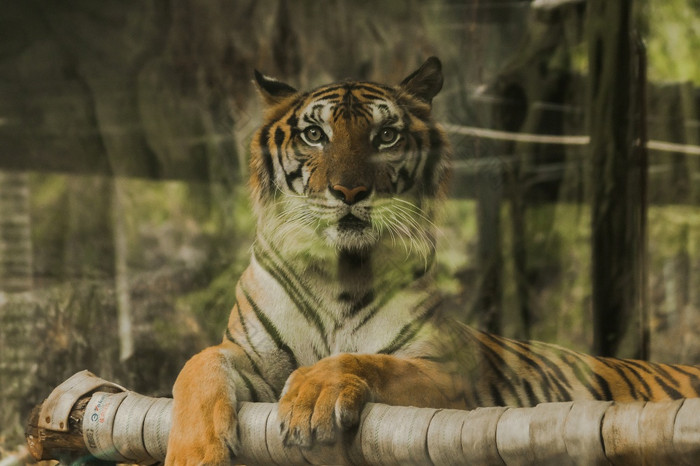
(321, 402)
(199, 443)
(204, 424)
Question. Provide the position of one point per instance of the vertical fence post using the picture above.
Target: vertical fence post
(618, 178)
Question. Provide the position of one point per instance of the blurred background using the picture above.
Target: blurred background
(574, 215)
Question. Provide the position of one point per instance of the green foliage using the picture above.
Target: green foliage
(456, 242)
(558, 269)
(673, 39)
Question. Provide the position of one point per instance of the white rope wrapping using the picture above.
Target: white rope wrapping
(582, 432)
(98, 426)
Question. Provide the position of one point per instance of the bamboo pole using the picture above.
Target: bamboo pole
(123, 426)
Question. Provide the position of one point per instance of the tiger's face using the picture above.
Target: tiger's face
(355, 162)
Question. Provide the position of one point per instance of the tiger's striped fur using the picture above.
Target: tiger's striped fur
(338, 305)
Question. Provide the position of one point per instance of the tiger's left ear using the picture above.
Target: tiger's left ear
(272, 90)
(426, 81)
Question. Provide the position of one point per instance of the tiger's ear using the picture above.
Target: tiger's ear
(272, 90)
(426, 81)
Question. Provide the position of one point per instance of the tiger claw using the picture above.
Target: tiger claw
(321, 402)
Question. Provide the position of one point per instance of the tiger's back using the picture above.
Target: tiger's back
(527, 373)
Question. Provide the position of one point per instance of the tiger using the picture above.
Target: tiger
(339, 304)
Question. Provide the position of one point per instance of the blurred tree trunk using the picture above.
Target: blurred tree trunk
(17, 340)
(536, 78)
(489, 192)
(618, 177)
(15, 233)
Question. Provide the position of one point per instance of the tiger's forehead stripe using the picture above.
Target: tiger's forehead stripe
(377, 89)
(381, 112)
(349, 101)
(350, 93)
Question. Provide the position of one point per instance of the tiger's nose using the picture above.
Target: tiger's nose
(349, 195)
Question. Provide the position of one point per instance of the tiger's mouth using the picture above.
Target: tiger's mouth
(352, 233)
(352, 223)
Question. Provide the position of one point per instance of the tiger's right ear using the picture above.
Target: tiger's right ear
(272, 90)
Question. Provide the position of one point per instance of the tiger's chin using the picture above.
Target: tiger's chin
(351, 234)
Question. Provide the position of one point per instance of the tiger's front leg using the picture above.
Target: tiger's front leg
(206, 394)
(320, 401)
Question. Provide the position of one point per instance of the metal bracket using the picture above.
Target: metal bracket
(57, 407)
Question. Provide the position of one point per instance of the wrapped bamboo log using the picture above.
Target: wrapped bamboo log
(115, 425)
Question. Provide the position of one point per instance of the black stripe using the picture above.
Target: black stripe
(417, 140)
(416, 166)
(253, 392)
(547, 392)
(291, 176)
(279, 142)
(245, 330)
(270, 329)
(566, 356)
(373, 96)
(401, 338)
(433, 158)
(496, 395)
(407, 179)
(670, 391)
(530, 393)
(564, 393)
(312, 170)
(693, 379)
(372, 87)
(232, 339)
(320, 92)
(475, 395)
(267, 158)
(639, 379)
(361, 110)
(302, 305)
(331, 96)
(639, 365)
(634, 393)
(254, 365)
(293, 289)
(279, 139)
(558, 373)
(385, 298)
(680, 369)
(584, 379)
(338, 111)
(293, 119)
(557, 382)
(504, 343)
(499, 367)
(311, 121)
(410, 330)
(659, 369)
(604, 386)
(358, 305)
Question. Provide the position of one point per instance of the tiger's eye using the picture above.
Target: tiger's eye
(314, 134)
(387, 135)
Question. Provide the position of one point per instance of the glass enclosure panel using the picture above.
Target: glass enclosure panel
(124, 131)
